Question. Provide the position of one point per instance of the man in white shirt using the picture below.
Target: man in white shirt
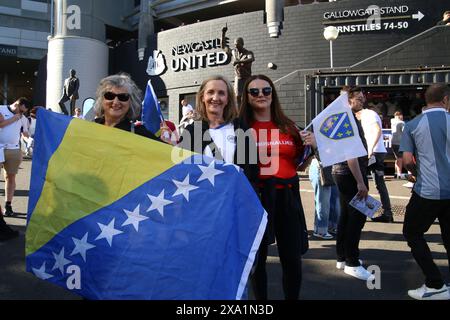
(12, 124)
(186, 108)
(372, 126)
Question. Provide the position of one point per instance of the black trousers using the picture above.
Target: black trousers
(420, 215)
(351, 222)
(284, 213)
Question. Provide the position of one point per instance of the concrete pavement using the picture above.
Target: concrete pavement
(381, 245)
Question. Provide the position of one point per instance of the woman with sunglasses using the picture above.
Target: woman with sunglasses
(279, 146)
(118, 104)
(215, 131)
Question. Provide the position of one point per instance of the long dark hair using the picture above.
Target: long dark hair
(277, 115)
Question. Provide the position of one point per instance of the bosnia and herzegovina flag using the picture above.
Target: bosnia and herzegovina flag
(110, 216)
(337, 134)
(152, 116)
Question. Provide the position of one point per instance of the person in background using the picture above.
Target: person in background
(351, 179)
(372, 126)
(425, 155)
(13, 124)
(397, 125)
(445, 19)
(172, 130)
(326, 201)
(279, 146)
(6, 232)
(186, 108)
(78, 113)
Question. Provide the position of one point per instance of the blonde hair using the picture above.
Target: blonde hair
(230, 110)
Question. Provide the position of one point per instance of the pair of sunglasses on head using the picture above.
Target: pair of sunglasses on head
(254, 92)
(124, 97)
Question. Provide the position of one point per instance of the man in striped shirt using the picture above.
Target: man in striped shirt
(426, 153)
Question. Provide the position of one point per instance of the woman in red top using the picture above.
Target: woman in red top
(279, 147)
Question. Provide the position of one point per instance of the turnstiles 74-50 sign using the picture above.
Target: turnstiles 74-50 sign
(372, 19)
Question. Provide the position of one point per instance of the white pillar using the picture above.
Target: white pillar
(88, 57)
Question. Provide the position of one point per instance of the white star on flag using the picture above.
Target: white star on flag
(81, 246)
(134, 218)
(108, 232)
(183, 187)
(158, 203)
(60, 261)
(41, 274)
(209, 173)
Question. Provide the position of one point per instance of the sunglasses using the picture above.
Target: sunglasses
(124, 97)
(255, 91)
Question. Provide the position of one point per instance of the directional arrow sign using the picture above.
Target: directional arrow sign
(419, 16)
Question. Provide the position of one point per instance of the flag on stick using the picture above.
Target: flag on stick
(337, 134)
(152, 116)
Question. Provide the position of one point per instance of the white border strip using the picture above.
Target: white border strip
(251, 256)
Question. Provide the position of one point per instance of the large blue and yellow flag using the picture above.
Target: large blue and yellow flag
(110, 216)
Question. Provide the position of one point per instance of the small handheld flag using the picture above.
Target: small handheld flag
(336, 133)
(152, 116)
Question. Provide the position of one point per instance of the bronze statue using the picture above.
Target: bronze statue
(70, 92)
(242, 62)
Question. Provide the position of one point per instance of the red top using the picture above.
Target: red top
(171, 125)
(277, 151)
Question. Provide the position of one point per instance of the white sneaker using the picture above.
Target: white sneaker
(409, 185)
(341, 264)
(425, 293)
(359, 272)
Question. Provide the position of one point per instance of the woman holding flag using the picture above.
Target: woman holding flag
(217, 132)
(118, 104)
(279, 146)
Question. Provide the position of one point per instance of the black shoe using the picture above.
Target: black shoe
(383, 218)
(9, 211)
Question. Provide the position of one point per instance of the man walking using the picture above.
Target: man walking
(426, 153)
(12, 124)
(371, 124)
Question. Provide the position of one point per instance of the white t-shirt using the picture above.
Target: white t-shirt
(224, 138)
(397, 126)
(10, 135)
(368, 119)
(185, 110)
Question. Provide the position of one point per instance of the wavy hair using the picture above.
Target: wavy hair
(277, 115)
(230, 110)
(121, 80)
